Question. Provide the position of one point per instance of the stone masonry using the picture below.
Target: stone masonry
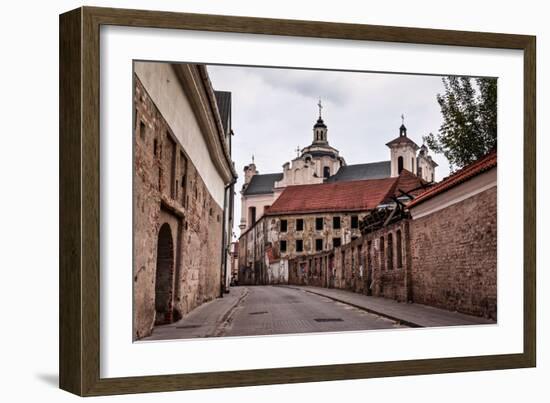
(177, 225)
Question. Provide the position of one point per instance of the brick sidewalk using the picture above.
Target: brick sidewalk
(414, 315)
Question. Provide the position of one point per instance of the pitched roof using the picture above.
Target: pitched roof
(223, 99)
(409, 183)
(373, 170)
(332, 197)
(402, 140)
(482, 165)
(262, 184)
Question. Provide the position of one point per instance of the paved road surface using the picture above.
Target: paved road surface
(282, 310)
(267, 310)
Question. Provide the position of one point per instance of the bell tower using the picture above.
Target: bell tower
(320, 129)
(403, 152)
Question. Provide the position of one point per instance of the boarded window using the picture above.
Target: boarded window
(319, 223)
(299, 245)
(284, 225)
(299, 224)
(318, 245)
(336, 222)
(354, 221)
(282, 246)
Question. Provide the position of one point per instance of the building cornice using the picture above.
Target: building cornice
(194, 80)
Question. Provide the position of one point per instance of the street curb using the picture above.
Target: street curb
(369, 310)
(220, 326)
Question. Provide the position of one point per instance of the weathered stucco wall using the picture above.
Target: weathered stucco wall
(172, 273)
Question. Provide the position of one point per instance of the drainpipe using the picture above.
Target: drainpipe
(227, 204)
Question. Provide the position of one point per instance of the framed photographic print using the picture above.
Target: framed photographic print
(249, 201)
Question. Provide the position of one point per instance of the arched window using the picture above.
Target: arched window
(399, 246)
(389, 253)
(399, 165)
(382, 253)
(326, 172)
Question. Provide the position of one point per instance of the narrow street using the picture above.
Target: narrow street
(269, 310)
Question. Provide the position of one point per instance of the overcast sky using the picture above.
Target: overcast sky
(274, 111)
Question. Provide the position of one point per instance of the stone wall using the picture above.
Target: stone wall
(454, 252)
(363, 265)
(185, 267)
(446, 259)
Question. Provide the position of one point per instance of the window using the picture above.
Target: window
(399, 251)
(299, 245)
(412, 165)
(326, 172)
(155, 147)
(142, 130)
(389, 254)
(318, 245)
(319, 223)
(282, 246)
(382, 254)
(336, 242)
(299, 224)
(336, 222)
(251, 215)
(399, 165)
(354, 221)
(284, 225)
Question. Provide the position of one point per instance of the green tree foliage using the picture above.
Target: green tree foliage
(469, 129)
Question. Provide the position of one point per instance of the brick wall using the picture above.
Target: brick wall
(362, 266)
(454, 253)
(169, 190)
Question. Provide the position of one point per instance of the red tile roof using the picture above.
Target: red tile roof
(359, 195)
(482, 165)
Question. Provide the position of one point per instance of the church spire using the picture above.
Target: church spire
(319, 128)
(403, 129)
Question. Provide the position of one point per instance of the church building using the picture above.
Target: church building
(317, 202)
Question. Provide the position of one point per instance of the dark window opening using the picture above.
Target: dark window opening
(155, 147)
(282, 246)
(319, 223)
(284, 225)
(389, 253)
(336, 222)
(336, 242)
(252, 215)
(399, 249)
(299, 245)
(382, 254)
(326, 172)
(399, 165)
(318, 245)
(354, 221)
(299, 224)
(142, 130)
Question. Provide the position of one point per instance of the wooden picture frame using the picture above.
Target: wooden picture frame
(80, 184)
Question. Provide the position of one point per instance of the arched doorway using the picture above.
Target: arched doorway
(164, 276)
